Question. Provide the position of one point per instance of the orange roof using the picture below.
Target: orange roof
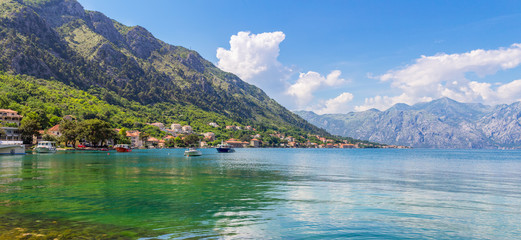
(8, 110)
(169, 137)
(56, 128)
(152, 139)
(230, 141)
(133, 133)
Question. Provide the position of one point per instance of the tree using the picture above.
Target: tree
(40, 116)
(191, 139)
(96, 131)
(2, 133)
(29, 128)
(179, 142)
(69, 131)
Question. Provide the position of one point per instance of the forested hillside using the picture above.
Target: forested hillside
(126, 67)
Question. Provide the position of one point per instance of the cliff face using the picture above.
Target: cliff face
(443, 123)
(58, 39)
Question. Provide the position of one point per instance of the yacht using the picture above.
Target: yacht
(11, 147)
(123, 148)
(193, 152)
(45, 147)
(224, 148)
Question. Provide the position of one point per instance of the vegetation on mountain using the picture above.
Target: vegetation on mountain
(59, 40)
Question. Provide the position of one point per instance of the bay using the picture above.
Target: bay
(265, 194)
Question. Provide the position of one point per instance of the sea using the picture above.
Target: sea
(263, 194)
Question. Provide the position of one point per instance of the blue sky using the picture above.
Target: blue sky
(371, 50)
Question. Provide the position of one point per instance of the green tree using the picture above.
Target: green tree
(29, 128)
(191, 139)
(69, 131)
(2, 133)
(96, 131)
(179, 142)
(40, 116)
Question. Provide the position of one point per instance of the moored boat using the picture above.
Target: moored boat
(191, 152)
(45, 147)
(123, 148)
(12, 148)
(224, 148)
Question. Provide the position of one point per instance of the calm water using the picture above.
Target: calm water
(271, 193)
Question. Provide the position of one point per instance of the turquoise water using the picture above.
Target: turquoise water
(271, 193)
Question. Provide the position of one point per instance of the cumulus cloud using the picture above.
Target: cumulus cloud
(310, 82)
(252, 54)
(444, 75)
(336, 105)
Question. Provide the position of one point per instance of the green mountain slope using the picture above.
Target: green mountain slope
(59, 40)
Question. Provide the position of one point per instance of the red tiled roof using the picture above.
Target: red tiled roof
(55, 128)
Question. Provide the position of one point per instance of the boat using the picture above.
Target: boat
(123, 148)
(45, 147)
(225, 148)
(12, 148)
(193, 152)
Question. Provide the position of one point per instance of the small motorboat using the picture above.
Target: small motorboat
(45, 147)
(123, 148)
(192, 152)
(224, 148)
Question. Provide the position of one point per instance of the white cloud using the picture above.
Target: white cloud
(310, 82)
(251, 54)
(336, 105)
(443, 75)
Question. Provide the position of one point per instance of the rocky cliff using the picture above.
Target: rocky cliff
(442, 123)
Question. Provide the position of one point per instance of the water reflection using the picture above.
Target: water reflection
(274, 193)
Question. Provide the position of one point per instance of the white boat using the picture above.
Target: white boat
(45, 147)
(193, 152)
(12, 147)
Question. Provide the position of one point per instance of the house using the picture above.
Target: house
(237, 144)
(159, 125)
(231, 128)
(54, 131)
(347, 145)
(187, 129)
(249, 128)
(215, 125)
(203, 144)
(152, 142)
(9, 122)
(210, 136)
(176, 128)
(255, 143)
(162, 143)
(293, 144)
(135, 140)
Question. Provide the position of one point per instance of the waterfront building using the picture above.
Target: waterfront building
(177, 128)
(210, 136)
(187, 129)
(9, 122)
(255, 143)
(135, 140)
(54, 131)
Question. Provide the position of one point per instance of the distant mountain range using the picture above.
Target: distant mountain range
(59, 40)
(442, 123)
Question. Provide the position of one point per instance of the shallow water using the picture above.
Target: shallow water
(268, 193)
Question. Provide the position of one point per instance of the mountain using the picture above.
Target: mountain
(442, 123)
(59, 40)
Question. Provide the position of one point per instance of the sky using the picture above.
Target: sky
(343, 56)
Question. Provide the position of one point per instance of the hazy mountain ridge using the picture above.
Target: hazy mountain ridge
(58, 39)
(442, 123)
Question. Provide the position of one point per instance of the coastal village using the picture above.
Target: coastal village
(175, 132)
